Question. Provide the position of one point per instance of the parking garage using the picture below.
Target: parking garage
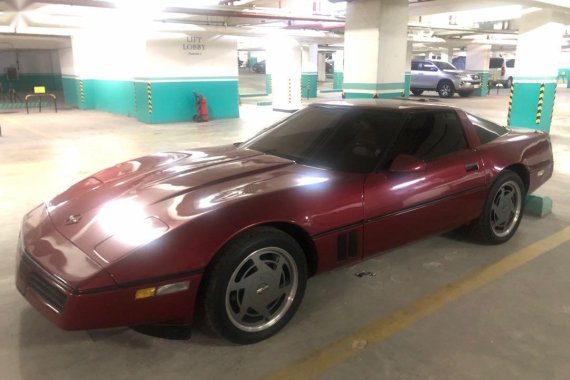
(88, 84)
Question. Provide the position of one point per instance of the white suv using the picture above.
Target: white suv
(501, 71)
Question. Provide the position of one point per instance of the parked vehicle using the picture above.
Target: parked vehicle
(442, 77)
(501, 71)
(233, 232)
(259, 67)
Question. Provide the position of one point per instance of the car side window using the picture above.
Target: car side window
(430, 135)
(511, 63)
(415, 65)
(427, 66)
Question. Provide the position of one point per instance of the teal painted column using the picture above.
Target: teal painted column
(337, 80)
(308, 85)
(532, 103)
(478, 57)
(373, 90)
(484, 89)
(564, 76)
(268, 85)
(407, 80)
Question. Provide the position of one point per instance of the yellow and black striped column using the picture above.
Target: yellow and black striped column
(81, 92)
(540, 102)
(149, 97)
(511, 104)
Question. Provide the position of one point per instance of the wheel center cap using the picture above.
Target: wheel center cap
(262, 288)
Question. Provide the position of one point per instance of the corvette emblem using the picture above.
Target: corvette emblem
(72, 219)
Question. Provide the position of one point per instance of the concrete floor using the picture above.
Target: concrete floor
(517, 327)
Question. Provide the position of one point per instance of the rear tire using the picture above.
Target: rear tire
(255, 286)
(503, 209)
(417, 92)
(465, 94)
(445, 89)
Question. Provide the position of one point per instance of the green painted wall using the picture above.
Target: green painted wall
(483, 91)
(114, 96)
(525, 105)
(309, 85)
(174, 101)
(71, 91)
(26, 82)
(338, 77)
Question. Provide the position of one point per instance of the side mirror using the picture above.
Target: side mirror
(405, 163)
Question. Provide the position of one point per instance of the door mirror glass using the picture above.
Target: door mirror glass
(405, 163)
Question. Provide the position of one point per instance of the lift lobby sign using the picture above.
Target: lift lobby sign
(194, 45)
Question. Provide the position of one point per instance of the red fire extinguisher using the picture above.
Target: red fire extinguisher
(201, 107)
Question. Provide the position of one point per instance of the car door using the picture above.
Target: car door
(444, 189)
(427, 75)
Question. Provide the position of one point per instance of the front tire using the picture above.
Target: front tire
(255, 286)
(445, 89)
(503, 209)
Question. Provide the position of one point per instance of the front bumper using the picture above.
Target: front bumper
(464, 85)
(57, 279)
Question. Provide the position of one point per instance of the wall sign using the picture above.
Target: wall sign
(194, 45)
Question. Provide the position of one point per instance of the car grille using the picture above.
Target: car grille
(53, 296)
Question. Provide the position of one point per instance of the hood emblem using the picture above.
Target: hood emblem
(72, 219)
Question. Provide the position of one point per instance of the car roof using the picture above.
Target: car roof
(398, 104)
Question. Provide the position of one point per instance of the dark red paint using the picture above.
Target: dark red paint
(204, 197)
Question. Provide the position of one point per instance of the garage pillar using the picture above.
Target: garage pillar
(322, 66)
(477, 62)
(338, 69)
(309, 71)
(284, 56)
(533, 92)
(375, 48)
(408, 73)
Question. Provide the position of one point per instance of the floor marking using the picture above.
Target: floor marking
(36, 132)
(338, 352)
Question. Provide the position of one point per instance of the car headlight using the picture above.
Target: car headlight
(127, 221)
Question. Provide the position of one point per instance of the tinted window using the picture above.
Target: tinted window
(415, 65)
(431, 135)
(496, 63)
(444, 65)
(511, 63)
(426, 66)
(339, 138)
(486, 130)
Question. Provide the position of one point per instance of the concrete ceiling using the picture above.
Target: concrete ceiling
(21, 20)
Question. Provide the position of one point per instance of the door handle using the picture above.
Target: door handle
(472, 166)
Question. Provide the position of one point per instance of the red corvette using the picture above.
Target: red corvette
(232, 233)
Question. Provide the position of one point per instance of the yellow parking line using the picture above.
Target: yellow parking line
(341, 350)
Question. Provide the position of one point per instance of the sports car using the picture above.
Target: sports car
(230, 234)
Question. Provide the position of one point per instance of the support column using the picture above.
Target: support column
(322, 67)
(408, 73)
(375, 46)
(285, 57)
(338, 72)
(533, 92)
(309, 71)
(477, 61)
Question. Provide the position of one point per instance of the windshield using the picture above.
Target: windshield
(341, 138)
(444, 65)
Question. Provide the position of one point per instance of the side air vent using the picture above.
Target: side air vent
(347, 245)
(49, 293)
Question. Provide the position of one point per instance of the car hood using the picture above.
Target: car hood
(148, 181)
